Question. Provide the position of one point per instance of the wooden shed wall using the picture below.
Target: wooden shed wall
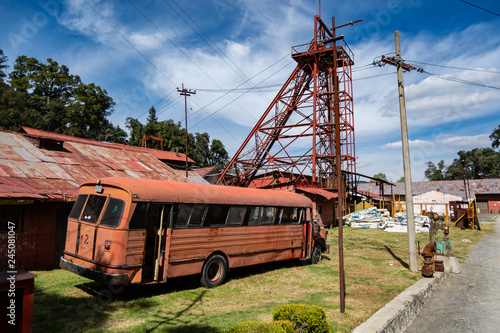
(36, 245)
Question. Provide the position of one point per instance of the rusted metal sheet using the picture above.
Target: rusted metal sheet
(11, 168)
(326, 194)
(37, 172)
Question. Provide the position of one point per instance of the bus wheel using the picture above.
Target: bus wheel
(316, 255)
(214, 271)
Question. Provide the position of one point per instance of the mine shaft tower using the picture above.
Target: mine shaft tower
(307, 132)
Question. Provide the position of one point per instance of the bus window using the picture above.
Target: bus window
(269, 215)
(113, 212)
(217, 215)
(78, 206)
(93, 208)
(182, 213)
(197, 215)
(289, 215)
(138, 220)
(255, 216)
(236, 215)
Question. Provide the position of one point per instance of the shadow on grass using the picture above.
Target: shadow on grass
(174, 322)
(401, 261)
(135, 291)
(65, 313)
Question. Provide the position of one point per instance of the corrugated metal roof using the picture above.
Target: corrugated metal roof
(454, 187)
(27, 171)
(159, 154)
(325, 194)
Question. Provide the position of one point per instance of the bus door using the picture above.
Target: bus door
(157, 223)
(306, 247)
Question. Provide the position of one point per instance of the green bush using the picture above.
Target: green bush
(251, 326)
(305, 318)
(286, 325)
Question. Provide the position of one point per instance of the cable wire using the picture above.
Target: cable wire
(486, 10)
(453, 79)
(454, 67)
(128, 42)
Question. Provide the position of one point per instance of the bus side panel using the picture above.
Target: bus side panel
(242, 245)
(71, 237)
(135, 247)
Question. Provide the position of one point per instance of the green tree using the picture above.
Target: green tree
(136, 131)
(3, 65)
(478, 163)
(200, 149)
(401, 180)
(495, 138)
(218, 154)
(380, 176)
(434, 172)
(151, 125)
(59, 101)
(113, 134)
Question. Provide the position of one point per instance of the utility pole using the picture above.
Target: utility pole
(185, 92)
(412, 246)
(401, 66)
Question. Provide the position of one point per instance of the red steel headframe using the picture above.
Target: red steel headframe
(298, 141)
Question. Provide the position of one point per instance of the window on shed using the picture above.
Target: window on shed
(217, 215)
(78, 206)
(93, 208)
(113, 213)
(236, 215)
(289, 215)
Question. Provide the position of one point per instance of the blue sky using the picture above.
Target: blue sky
(141, 51)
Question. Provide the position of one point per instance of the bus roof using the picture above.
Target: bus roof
(168, 191)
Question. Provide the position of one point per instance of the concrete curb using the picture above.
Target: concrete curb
(398, 314)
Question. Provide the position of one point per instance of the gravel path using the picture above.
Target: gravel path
(469, 301)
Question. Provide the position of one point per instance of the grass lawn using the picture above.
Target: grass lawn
(375, 272)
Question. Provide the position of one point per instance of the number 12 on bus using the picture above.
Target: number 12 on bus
(127, 230)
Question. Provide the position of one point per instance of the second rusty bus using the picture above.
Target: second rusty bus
(127, 230)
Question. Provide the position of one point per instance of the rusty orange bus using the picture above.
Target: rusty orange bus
(127, 230)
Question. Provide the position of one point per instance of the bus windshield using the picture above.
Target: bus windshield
(88, 208)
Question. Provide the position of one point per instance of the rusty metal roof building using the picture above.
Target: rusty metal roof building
(36, 164)
(454, 187)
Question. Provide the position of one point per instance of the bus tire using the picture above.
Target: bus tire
(316, 255)
(214, 271)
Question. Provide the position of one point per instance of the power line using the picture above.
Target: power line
(238, 71)
(265, 69)
(230, 101)
(125, 39)
(486, 10)
(454, 67)
(454, 79)
(184, 53)
(374, 76)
